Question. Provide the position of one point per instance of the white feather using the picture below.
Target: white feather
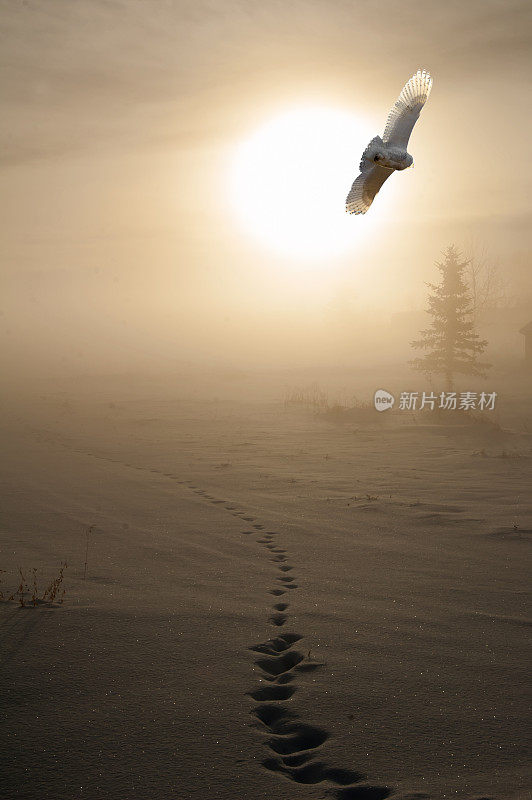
(364, 189)
(407, 108)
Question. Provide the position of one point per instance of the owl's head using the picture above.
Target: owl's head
(375, 154)
(379, 156)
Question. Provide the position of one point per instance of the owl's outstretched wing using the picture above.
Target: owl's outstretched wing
(365, 188)
(407, 109)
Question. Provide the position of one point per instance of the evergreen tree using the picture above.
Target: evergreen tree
(452, 345)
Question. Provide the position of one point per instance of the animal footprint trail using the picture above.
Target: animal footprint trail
(294, 746)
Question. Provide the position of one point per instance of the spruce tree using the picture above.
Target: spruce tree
(451, 342)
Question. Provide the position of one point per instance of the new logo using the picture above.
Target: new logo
(383, 400)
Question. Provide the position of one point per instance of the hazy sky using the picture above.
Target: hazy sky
(119, 123)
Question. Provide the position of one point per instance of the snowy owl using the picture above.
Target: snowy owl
(383, 156)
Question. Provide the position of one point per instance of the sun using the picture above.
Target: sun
(289, 181)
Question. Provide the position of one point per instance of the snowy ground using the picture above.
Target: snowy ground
(276, 605)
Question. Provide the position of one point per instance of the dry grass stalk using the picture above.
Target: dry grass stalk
(55, 591)
(87, 535)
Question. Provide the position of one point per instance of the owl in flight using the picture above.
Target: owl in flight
(383, 156)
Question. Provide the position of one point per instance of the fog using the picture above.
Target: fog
(121, 251)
